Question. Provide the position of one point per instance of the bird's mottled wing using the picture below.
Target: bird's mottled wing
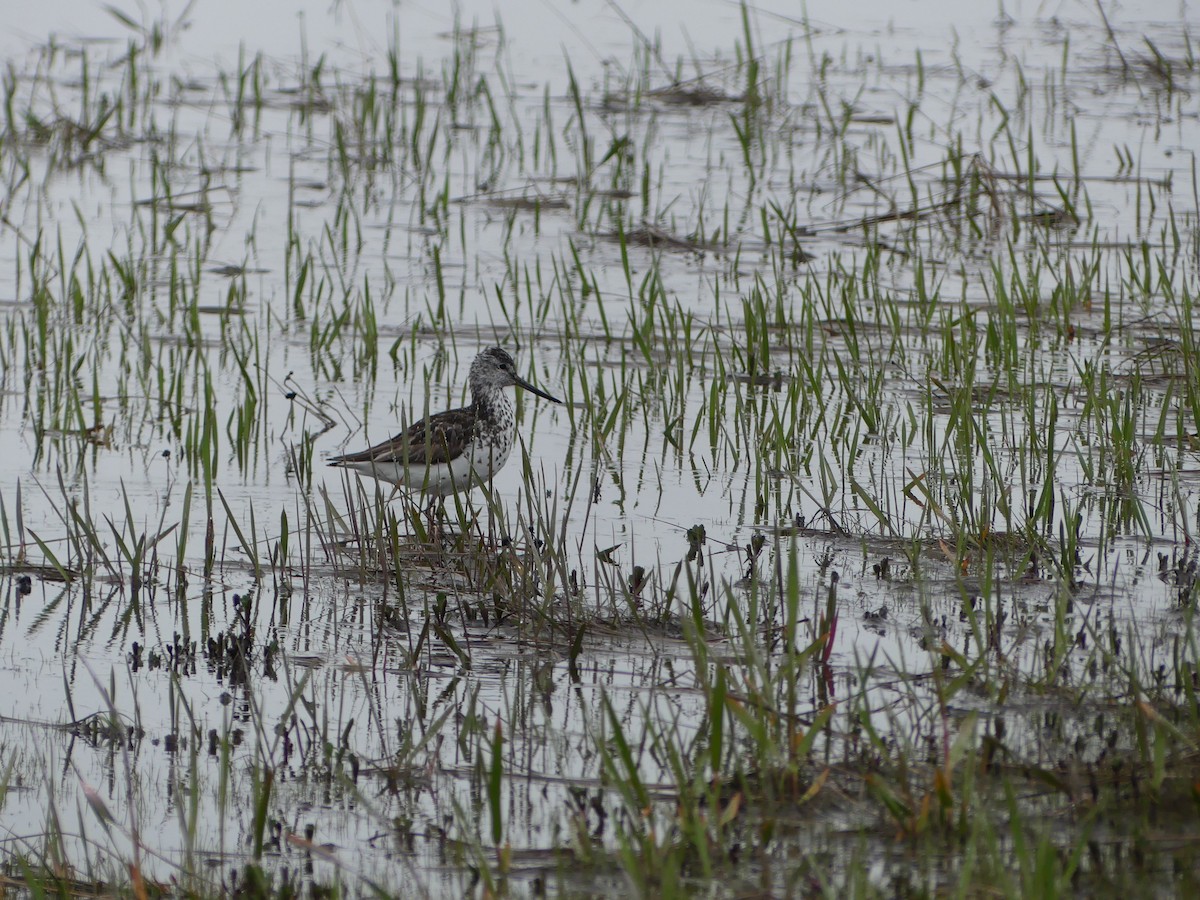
(437, 439)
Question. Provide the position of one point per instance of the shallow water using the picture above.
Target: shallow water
(213, 291)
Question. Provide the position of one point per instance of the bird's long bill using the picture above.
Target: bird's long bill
(522, 383)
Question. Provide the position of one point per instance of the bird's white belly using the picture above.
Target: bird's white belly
(470, 470)
(487, 460)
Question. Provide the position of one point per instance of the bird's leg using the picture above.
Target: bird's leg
(431, 517)
(443, 520)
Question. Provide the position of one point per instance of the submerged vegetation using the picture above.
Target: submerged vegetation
(859, 560)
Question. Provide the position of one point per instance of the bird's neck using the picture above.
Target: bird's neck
(492, 404)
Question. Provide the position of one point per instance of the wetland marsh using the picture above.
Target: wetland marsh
(858, 560)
